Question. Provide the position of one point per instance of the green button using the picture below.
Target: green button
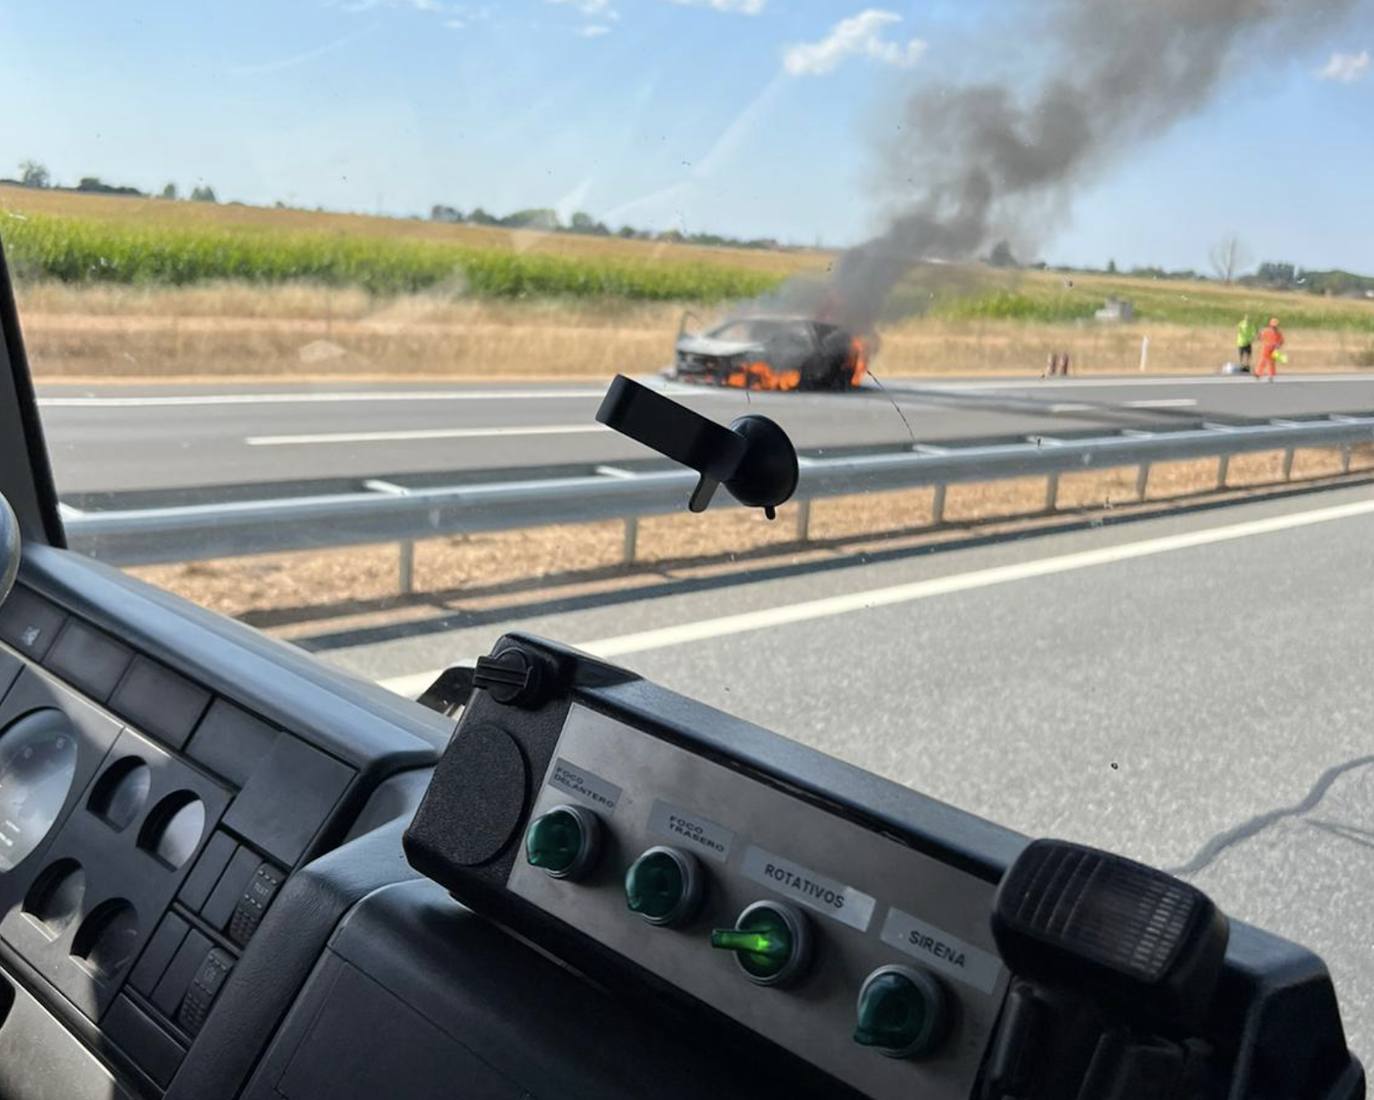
(767, 945)
(900, 1012)
(654, 885)
(556, 841)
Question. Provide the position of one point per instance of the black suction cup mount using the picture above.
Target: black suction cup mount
(752, 458)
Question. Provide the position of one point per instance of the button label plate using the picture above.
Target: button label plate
(585, 785)
(804, 886)
(937, 949)
(697, 834)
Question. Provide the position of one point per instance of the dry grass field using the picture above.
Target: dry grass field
(295, 332)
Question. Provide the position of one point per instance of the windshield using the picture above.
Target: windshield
(321, 300)
(754, 331)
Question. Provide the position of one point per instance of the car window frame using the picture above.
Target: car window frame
(26, 477)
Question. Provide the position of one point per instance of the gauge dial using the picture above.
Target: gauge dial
(37, 766)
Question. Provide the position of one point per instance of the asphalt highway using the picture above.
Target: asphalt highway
(120, 438)
(1191, 690)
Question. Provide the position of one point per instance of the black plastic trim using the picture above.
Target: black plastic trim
(350, 719)
(44, 487)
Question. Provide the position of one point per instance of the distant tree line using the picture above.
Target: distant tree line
(547, 220)
(1001, 256)
(1281, 275)
(34, 174)
(1226, 258)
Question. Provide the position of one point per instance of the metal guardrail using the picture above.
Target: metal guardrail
(385, 512)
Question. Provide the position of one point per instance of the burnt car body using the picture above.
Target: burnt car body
(772, 353)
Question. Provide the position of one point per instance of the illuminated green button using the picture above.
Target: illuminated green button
(770, 940)
(663, 886)
(563, 842)
(901, 1012)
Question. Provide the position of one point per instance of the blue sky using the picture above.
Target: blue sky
(696, 114)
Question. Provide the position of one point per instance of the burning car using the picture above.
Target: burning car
(772, 353)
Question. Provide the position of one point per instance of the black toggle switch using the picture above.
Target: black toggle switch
(204, 988)
(514, 677)
(251, 906)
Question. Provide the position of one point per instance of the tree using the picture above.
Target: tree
(535, 218)
(1277, 274)
(1228, 256)
(33, 174)
(170, 191)
(585, 223)
(203, 193)
(441, 213)
(98, 186)
(1111, 267)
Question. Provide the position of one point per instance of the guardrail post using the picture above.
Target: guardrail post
(1223, 468)
(1345, 459)
(937, 505)
(1051, 492)
(1288, 463)
(804, 520)
(631, 543)
(1142, 480)
(406, 569)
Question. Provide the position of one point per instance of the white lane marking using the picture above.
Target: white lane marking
(155, 401)
(1089, 382)
(173, 400)
(1148, 403)
(420, 433)
(710, 629)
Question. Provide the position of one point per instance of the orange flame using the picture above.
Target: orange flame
(761, 376)
(858, 360)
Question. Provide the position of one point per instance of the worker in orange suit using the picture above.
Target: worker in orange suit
(1271, 340)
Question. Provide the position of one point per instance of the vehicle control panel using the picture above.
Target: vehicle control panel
(855, 944)
(853, 951)
(743, 890)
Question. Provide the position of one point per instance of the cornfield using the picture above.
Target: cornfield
(76, 251)
(1050, 299)
(163, 244)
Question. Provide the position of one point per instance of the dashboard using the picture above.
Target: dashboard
(227, 871)
(148, 820)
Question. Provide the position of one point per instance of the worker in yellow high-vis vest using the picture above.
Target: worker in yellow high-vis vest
(1246, 332)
